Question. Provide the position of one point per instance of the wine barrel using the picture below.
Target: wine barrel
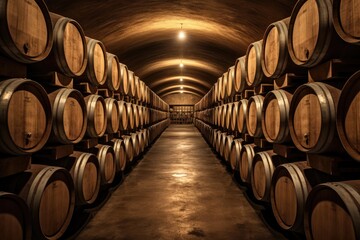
(97, 67)
(223, 86)
(69, 116)
(254, 73)
(233, 117)
(229, 142)
(230, 88)
(141, 115)
(107, 162)
(130, 115)
(275, 59)
(135, 143)
(228, 116)
(312, 118)
(216, 92)
(26, 118)
(129, 148)
(120, 154)
(49, 194)
(312, 38)
(124, 79)
(222, 141)
(141, 141)
(235, 154)
(123, 124)
(214, 138)
(262, 170)
(240, 75)
(137, 88)
(333, 211)
(223, 115)
(246, 158)
(347, 118)
(218, 140)
(26, 32)
(142, 91)
(69, 52)
(220, 92)
(275, 116)
(112, 115)
(219, 116)
(136, 115)
(254, 115)
(96, 115)
(241, 116)
(113, 74)
(346, 18)
(86, 176)
(132, 87)
(14, 217)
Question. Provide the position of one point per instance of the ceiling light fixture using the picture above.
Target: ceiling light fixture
(181, 91)
(182, 34)
(181, 79)
(181, 87)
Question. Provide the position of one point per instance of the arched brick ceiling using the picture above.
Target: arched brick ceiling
(143, 34)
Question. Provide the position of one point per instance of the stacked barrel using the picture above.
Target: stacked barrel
(285, 119)
(69, 133)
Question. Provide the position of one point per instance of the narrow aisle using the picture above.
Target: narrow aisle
(179, 190)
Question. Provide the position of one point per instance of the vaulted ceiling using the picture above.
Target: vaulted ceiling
(144, 35)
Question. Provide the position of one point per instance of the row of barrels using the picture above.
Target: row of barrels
(286, 49)
(32, 117)
(42, 199)
(300, 196)
(317, 117)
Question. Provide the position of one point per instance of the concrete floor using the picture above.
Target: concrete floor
(179, 190)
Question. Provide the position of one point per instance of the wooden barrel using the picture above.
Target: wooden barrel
(312, 38)
(26, 117)
(130, 115)
(241, 116)
(333, 211)
(235, 154)
(220, 87)
(136, 115)
(49, 194)
(14, 217)
(137, 88)
(254, 73)
(141, 115)
(233, 117)
(254, 115)
(230, 88)
(346, 18)
(228, 116)
(222, 141)
(275, 59)
(86, 176)
(240, 75)
(113, 74)
(275, 116)
(107, 162)
(223, 115)
(132, 87)
(135, 143)
(124, 79)
(216, 90)
(312, 118)
(112, 115)
(229, 142)
(218, 140)
(347, 119)
(129, 148)
(120, 154)
(142, 91)
(96, 115)
(26, 30)
(246, 158)
(69, 116)
(223, 86)
(262, 170)
(97, 67)
(123, 121)
(214, 138)
(218, 115)
(141, 141)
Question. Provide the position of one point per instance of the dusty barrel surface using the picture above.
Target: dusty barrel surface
(26, 32)
(346, 17)
(246, 158)
(340, 203)
(254, 115)
(347, 118)
(312, 118)
(26, 119)
(96, 114)
(69, 116)
(275, 116)
(14, 217)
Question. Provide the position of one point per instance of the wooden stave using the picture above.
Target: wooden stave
(348, 92)
(58, 132)
(5, 38)
(24, 210)
(11, 85)
(284, 99)
(110, 103)
(328, 108)
(347, 192)
(102, 151)
(89, 72)
(109, 74)
(258, 100)
(244, 105)
(90, 107)
(247, 149)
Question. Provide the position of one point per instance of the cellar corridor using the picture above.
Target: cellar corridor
(179, 190)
